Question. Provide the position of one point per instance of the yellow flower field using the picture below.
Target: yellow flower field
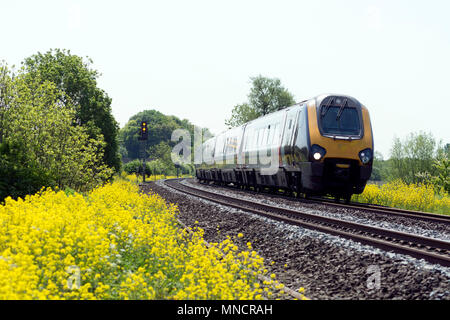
(400, 195)
(115, 243)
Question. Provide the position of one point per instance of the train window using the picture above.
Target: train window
(256, 138)
(265, 136)
(249, 138)
(344, 122)
(273, 133)
(220, 146)
(226, 147)
(270, 136)
(276, 135)
(205, 152)
(231, 146)
(300, 125)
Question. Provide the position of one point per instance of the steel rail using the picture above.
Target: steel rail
(427, 216)
(411, 214)
(433, 250)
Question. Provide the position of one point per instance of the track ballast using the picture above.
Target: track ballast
(429, 249)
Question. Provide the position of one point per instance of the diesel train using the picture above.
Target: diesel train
(320, 146)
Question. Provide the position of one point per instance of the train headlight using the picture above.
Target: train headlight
(317, 152)
(366, 155)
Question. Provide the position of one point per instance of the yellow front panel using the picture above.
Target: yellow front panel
(339, 148)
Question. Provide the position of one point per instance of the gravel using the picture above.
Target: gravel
(328, 267)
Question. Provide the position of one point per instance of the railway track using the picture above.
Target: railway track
(426, 216)
(432, 250)
(411, 214)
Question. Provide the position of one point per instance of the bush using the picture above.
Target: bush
(157, 167)
(135, 166)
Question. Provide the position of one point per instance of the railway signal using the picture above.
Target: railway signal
(143, 136)
(144, 131)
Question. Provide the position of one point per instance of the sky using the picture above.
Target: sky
(194, 59)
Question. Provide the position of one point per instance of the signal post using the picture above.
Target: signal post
(143, 137)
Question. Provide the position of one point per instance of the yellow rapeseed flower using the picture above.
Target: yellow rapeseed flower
(116, 243)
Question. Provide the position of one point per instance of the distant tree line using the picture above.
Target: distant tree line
(158, 148)
(418, 158)
(266, 95)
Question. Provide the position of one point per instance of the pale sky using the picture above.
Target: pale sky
(194, 59)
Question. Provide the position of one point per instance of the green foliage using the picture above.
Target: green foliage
(418, 159)
(158, 147)
(162, 163)
(135, 167)
(442, 178)
(40, 144)
(77, 81)
(412, 156)
(241, 114)
(69, 191)
(378, 167)
(156, 167)
(266, 95)
(160, 128)
(161, 151)
(19, 175)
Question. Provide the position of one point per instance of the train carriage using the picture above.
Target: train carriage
(321, 146)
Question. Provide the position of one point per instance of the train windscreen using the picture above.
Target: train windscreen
(340, 121)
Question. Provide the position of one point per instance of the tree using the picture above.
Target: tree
(441, 180)
(19, 174)
(241, 114)
(266, 96)
(40, 145)
(135, 167)
(5, 95)
(77, 82)
(413, 157)
(378, 167)
(160, 128)
(161, 154)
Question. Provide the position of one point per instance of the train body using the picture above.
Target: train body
(321, 146)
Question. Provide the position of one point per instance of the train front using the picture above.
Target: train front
(340, 145)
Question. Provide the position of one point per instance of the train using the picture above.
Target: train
(318, 147)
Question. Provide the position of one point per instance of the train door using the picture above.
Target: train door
(288, 136)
